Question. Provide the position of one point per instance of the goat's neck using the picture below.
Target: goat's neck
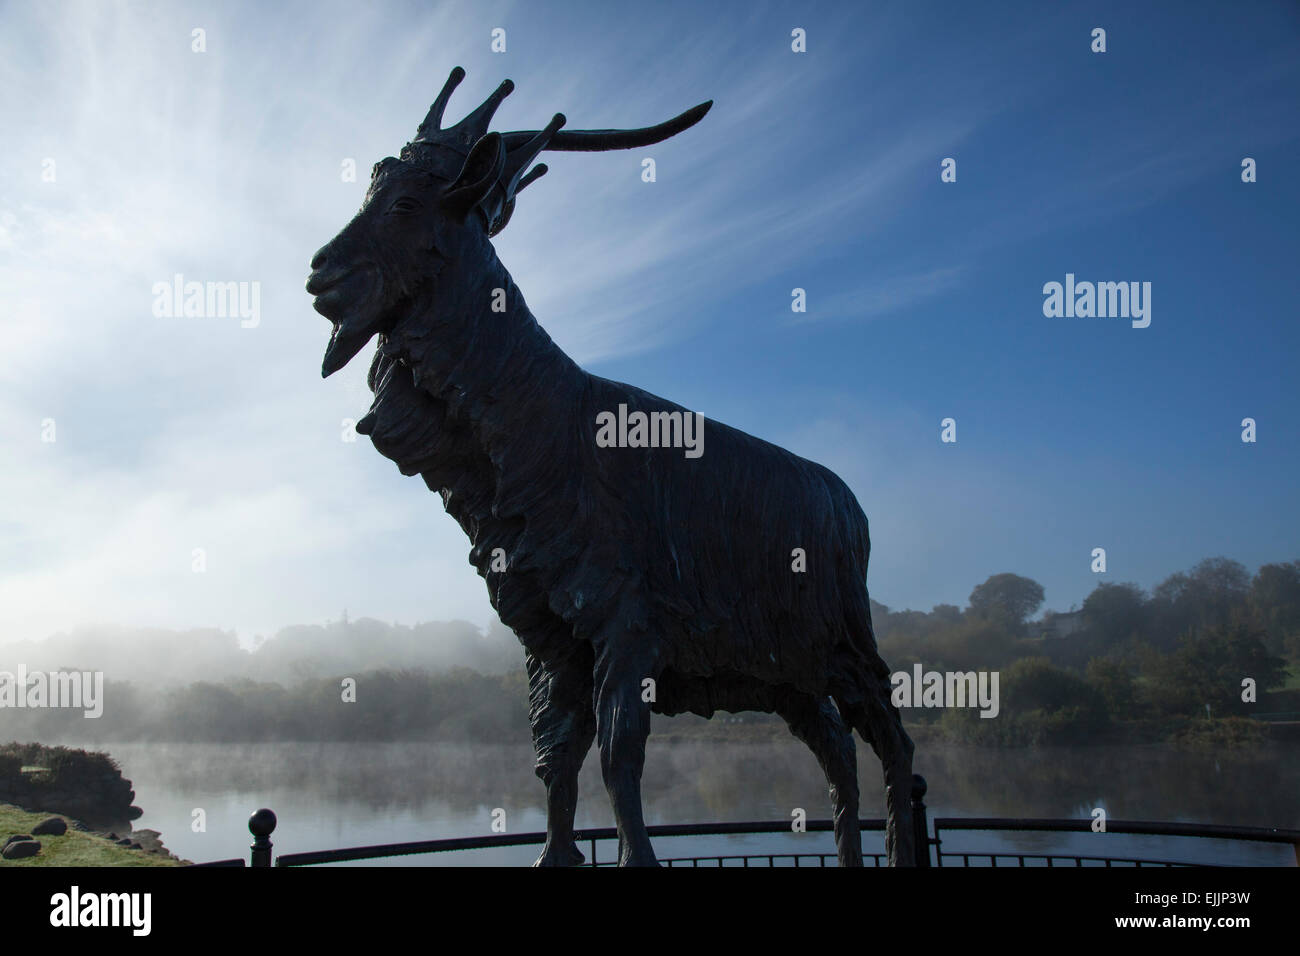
(494, 369)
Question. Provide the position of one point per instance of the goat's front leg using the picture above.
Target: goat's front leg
(563, 723)
(623, 661)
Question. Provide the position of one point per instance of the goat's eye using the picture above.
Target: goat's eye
(404, 205)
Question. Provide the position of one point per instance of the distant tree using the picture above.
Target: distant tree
(1032, 683)
(1221, 576)
(910, 622)
(946, 613)
(1208, 668)
(1114, 612)
(1222, 587)
(1211, 595)
(1173, 589)
(971, 643)
(879, 618)
(1275, 601)
(1008, 599)
(1114, 682)
(1050, 704)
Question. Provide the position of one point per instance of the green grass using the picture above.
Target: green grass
(74, 848)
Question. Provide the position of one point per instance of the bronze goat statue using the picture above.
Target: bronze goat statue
(638, 578)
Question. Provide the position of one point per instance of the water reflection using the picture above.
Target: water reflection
(330, 795)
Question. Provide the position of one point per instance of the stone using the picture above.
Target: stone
(54, 826)
(21, 849)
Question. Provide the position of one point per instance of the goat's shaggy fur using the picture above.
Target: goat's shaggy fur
(614, 566)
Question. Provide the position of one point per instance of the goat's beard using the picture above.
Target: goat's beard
(404, 422)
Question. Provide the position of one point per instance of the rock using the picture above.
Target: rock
(21, 849)
(136, 846)
(123, 842)
(80, 786)
(54, 826)
(16, 838)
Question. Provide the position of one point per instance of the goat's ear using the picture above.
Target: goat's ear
(483, 167)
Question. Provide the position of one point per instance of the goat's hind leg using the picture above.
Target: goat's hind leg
(868, 709)
(817, 723)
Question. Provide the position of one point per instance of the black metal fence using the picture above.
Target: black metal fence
(930, 850)
(1066, 825)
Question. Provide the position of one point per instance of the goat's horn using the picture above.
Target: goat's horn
(593, 140)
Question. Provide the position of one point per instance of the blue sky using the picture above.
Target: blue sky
(818, 170)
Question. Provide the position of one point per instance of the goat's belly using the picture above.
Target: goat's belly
(679, 693)
(724, 664)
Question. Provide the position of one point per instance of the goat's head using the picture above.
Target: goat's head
(448, 193)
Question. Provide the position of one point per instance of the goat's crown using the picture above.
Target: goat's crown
(444, 151)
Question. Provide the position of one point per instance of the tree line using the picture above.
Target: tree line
(1126, 661)
(1213, 641)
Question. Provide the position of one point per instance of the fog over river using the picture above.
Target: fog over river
(350, 794)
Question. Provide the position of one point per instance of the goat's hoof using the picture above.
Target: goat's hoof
(570, 856)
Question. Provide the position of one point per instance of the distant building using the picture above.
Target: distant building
(1060, 625)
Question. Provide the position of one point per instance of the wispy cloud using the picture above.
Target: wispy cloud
(885, 296)
(175, 434)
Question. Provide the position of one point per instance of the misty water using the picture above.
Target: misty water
(351, 794)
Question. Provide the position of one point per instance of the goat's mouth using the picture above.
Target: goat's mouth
(353, 302)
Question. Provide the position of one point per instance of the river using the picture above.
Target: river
(351, 794)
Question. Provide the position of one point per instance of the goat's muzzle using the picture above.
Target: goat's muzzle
(349, 300)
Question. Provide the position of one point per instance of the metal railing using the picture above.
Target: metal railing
(263, 822)
(1068, 825)
(591, 837)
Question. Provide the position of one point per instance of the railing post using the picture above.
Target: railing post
(920, 827)
(261, 824)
